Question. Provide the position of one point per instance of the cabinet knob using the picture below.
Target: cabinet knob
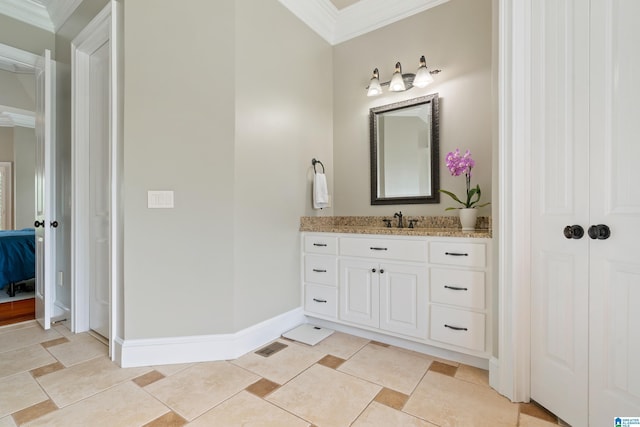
(600, 232)
(373, 270)
(573, 232)
(381, 271)
(38, 224)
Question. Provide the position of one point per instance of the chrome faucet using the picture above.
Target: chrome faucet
(399, 216)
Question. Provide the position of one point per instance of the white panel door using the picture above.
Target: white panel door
(614, 349)
(585, 291)
(45, 190)
(99, 190)
(359, 292)
(403, 299)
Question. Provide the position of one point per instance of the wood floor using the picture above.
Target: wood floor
(18, 311)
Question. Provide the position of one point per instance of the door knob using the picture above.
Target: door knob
(573, 232)
(38, 224)
(600, 232)
(54, 224)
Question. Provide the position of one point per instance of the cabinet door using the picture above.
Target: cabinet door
(403, 299)
(359, 292)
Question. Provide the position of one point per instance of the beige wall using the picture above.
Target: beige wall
(17, 90)
(283, 120)
(24, 171)
(6, 144)
(455, 37)
(214, 113)
(24, 36)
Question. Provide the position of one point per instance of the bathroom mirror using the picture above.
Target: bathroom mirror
(405, 152)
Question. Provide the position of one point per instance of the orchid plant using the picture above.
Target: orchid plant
(458, 165)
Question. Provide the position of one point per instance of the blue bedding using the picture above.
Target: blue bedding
(17, 255)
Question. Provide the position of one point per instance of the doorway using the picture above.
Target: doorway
(94, 172)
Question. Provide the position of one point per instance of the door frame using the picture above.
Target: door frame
(510, 368)
(106, 26)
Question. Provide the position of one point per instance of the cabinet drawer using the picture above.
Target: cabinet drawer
(458, 327)
(321, 300)
(461, 254)
(405, 250)
(320, 269)
(463, 288)
(319, 244)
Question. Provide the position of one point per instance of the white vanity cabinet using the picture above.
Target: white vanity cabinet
(320, 276)
(377, 291)
(458, 298)
(432, 290)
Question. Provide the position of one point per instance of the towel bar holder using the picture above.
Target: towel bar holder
(313, 162)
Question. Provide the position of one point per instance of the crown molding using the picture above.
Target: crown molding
(368, 15)
(28, 11)
(61, 10)
(337, 26)
(10, 117)
(320, 15)
(48, 15)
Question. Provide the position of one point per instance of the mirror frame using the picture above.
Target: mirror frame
(435, 152)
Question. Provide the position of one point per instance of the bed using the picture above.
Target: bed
(17, 257)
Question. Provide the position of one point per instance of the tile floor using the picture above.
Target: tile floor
(55, 378)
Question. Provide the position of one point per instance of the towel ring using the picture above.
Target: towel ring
(313, 162)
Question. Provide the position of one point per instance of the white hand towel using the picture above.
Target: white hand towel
(320, 192)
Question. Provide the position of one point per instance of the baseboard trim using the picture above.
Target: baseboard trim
(203, 348)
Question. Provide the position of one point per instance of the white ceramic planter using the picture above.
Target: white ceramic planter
(468, 219)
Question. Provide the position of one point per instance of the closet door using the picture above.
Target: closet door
(614, 327)
(585, 288)
(560, 199)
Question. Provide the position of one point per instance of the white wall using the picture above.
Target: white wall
(456, 37)
(24, 171)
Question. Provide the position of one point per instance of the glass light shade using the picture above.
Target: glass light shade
(423, 77)
(374, 85)
(397, 83)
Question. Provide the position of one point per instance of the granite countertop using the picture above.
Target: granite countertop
(440, 226)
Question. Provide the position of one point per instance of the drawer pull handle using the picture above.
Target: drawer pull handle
(455, 254)
(320, 244)
(374, 248)
(319, 271)
(320, 300)
(455, 328)
(455, 288)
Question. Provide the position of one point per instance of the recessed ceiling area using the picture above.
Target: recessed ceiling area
(334, 20)
(341, 4)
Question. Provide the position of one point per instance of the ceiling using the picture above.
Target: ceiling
(334, 20)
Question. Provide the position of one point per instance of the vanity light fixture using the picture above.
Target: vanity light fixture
(401, 82)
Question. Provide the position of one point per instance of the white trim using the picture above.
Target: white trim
(368, 15)
(337, 26)
(10, 117)
(163, 351)
(18, 57)
(512, 376)
(61, 10)
(320, 15)
(27, 11)
(90, 38)
(7, 215)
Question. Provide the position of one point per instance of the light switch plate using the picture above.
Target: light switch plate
(159, 199)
